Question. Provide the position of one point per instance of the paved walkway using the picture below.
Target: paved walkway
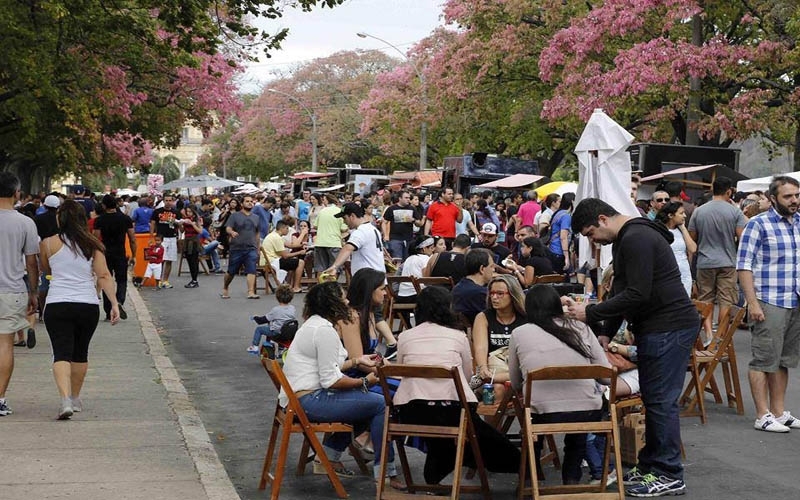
(138, 436)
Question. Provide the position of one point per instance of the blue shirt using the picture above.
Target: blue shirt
(303, 209)
(769, 249)
(264, 219)
(561, 221)
(141, 219)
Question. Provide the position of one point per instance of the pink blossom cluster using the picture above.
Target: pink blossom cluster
(129, 149)
(210, 85)
(115, 96)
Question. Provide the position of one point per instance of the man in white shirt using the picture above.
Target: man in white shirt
(364, 246)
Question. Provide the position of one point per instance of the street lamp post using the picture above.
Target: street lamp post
(423, 128)
(313, 117)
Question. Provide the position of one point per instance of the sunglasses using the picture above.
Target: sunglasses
(662, 200)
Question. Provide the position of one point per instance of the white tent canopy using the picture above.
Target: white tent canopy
(762, 183)
(513, 181)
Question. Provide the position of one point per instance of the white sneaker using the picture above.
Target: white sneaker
(253, 349)
(788, 420)
(768, 423)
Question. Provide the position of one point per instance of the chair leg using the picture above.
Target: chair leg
(737, 387)
(304, 459)
(281, 465)
(387, 442)
(462, 437)
(270, 453)
(323, 458)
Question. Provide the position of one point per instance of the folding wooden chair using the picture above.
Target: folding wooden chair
(271, 282)
(548, 278)
(392, 309)
(445, 281)
(705, 310)
(721, 351)
(533, 431)
(293, 419)
(463, 434)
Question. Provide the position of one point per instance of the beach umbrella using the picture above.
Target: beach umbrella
(200, 181)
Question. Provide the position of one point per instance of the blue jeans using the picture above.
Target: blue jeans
(398, 249)
(211, 249)
(595, 454)
(351, 406)
(663, 357)
(265, 331)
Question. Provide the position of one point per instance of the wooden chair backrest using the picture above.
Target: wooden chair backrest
(571, 373)
(548, 278)
(420, 371)
(728, 324)
(396, 280)
(445, 281)
(281, 382)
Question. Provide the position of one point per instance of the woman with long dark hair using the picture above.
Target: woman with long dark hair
(673, 215)
(361, 332)
(439, 340)
(551, 339)
(223, 238)
(192, 227)
(560, 234)
(315, 367)
(73, 257)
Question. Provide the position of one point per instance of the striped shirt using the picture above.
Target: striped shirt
(769, 249)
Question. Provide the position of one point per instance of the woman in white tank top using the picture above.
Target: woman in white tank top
(74, 258)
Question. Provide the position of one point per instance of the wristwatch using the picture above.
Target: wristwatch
(613, 348)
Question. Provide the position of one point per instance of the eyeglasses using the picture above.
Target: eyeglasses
(497, 294)
(662, 200)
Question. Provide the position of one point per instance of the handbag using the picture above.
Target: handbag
(498, 361)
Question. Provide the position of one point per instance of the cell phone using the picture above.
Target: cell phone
(380, 351)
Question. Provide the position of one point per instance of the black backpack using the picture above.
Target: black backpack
(288, 331)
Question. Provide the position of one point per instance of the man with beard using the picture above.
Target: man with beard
(767, 265)
(648, 293)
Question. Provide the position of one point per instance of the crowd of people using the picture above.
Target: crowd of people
(495, 323)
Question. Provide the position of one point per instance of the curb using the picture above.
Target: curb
(213, 477)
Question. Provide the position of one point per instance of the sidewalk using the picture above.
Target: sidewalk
(138, 436)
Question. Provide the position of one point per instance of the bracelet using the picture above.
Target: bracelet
(364, 386)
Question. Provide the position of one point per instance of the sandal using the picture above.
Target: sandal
(338, 468)
(21, 343)
(223, 296)
(254, 297)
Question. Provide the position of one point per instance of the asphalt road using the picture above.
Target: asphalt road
(206, 338)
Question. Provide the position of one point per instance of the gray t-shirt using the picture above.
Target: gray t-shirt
(247, 227)
(715, 223)
(280, 315)
(19, 239)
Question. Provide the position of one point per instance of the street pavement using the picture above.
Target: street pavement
(152, 431)
(137, 437)
(206, 339)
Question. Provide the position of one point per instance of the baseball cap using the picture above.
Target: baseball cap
(52, 201)
(351, 209)
(78, 189)
(489, 228)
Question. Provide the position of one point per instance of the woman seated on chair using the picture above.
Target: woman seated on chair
(550, 339)
(491, 331)
(439, 340)
(314, 367)
(296, 239)
(532, 263)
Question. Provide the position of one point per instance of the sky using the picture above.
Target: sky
(323, 32)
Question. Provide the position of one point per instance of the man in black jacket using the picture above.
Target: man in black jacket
(647, 292)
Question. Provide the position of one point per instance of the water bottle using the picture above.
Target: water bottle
(488, 394)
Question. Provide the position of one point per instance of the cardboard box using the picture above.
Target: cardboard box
(631, 437)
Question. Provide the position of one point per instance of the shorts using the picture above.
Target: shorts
(775, 342)
(170, 249)
(718, 283)
(289, 264)
(13, 312)
(630, 377)
(324, 257)
(239, 258)
(153, 270)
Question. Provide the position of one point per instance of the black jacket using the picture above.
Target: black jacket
(647, 289)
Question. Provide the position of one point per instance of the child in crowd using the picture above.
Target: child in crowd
(271, 324)
(154, 255)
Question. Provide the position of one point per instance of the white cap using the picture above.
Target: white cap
(489, 228)
(52, 201)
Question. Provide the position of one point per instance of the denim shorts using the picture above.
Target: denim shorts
(238, 258)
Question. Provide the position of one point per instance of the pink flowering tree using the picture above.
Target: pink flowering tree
(677, 69)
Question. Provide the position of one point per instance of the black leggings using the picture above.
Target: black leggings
(498, 453)
(192, 254)
(70, 327)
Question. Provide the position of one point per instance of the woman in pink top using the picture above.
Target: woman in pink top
(439, 340)
(550, 339)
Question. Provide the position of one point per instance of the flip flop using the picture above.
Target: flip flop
(254, 297)
(21, 343)
(223, 296)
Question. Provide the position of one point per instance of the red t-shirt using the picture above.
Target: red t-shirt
(443, 219)
(154, 254)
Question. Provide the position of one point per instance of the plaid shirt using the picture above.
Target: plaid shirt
(770, 248)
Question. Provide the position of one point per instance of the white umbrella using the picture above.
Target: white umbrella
(247, 189)
(604, 171)
(200, 181)
(127, 191)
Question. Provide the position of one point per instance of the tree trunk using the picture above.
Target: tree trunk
(693, 106)
(796, 152)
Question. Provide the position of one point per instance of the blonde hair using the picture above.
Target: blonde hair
(514, 290)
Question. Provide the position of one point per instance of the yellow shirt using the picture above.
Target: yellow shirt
(273, 246)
